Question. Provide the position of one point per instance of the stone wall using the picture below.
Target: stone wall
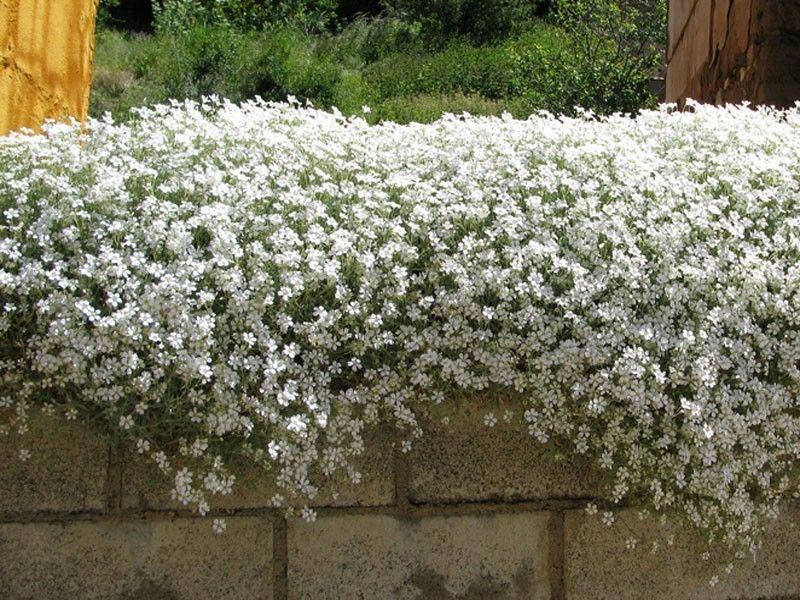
(470, 512)
(46, 50)
(725, 51)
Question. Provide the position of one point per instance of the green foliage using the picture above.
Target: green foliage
(597, 54)
(199, 61)
(478, 20)
(459, 68)
(137, 70)
(242, 15)
(104, 9)
(504, 71)
(615, 46)
(365, 41)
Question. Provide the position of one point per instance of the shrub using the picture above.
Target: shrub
(596, 54)
(199, 61)
(384, 60)
(480, 21)
(171, 16)
(140, 70)
(526, 72)
(459, 68)
(367, 40)
(104, 8)
(352, 93)
(615, 48)
(265, 282)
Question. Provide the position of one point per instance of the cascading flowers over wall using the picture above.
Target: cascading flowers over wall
(266, 281)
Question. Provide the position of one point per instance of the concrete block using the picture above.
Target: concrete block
(598, 564)
(145, 488)
(464, 460)
(382, 556)
(137, 560)
(66, 471)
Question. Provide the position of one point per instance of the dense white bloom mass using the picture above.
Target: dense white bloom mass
(269, 280)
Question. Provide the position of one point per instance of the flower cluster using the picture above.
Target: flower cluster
(266, 281)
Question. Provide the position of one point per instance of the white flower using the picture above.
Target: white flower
(219, 526)
(309, 515)
(272, 280)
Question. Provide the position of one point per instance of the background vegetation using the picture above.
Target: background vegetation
(409, 60)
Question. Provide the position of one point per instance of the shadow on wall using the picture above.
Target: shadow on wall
(46, 50)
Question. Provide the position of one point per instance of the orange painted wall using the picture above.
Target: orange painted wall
(46, 53)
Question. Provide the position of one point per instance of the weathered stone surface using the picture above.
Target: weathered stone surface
(66, 472)
(719, 24)
(690, 53)
(145, 488)
(381, 556)
(779, 33)
(752, 52)
(141, 560)
(598, 565)
(464, 460)
(677, 17)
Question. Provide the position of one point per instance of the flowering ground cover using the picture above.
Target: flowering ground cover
(263, 282)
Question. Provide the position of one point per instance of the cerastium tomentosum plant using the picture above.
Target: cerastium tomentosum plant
(266, 281)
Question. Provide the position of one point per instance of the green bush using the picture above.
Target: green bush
(478, 20)
(365, 41)
(594, 54)
(615, 47)
(503, 71)
(352, 93)
(242, 15)
(459, 68)
(575, 59)
(135, 70)
(104, 8)
(200, 61)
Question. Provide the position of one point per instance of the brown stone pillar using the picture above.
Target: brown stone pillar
(46, 53)
(733, 50)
